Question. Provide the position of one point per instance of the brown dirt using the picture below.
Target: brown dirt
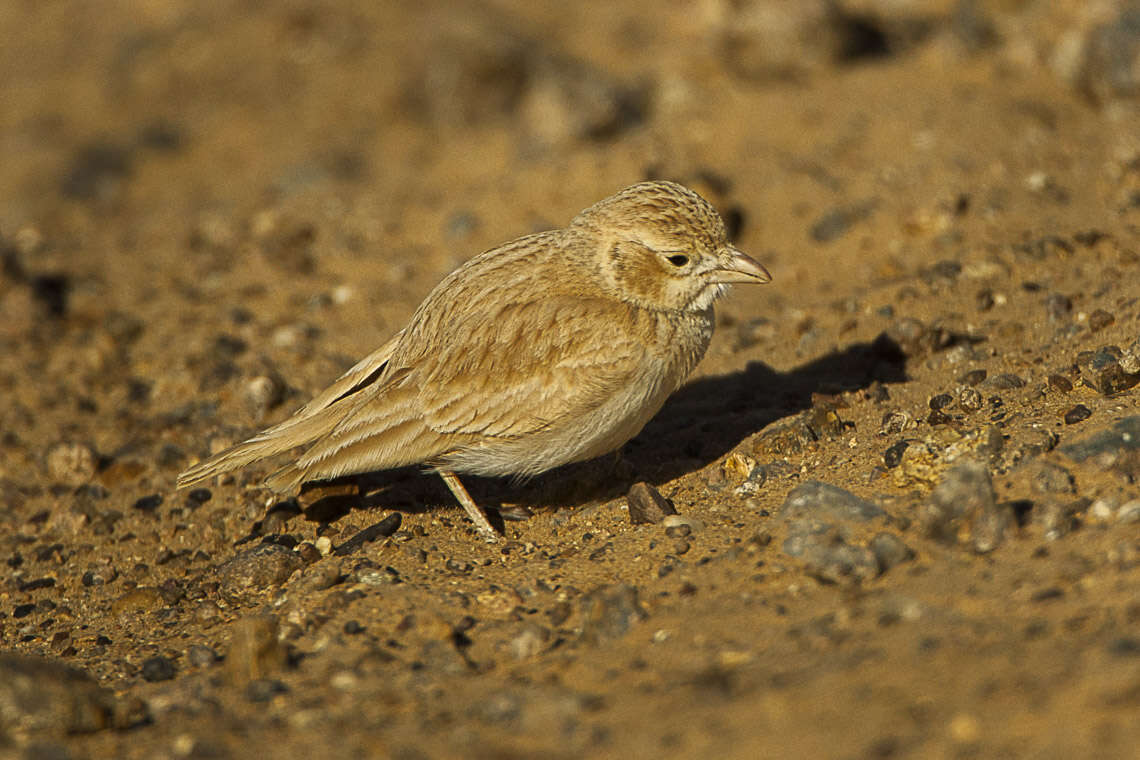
(211, 209)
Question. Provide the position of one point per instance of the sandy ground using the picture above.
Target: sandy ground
(906, 471)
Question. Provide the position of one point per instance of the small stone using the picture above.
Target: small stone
(1005, 382)
(970, 400)
(1100, 319)
(383, 529)
(256, 651)
(973, 377)
(1052, 478)
(822, 501)
(138, 600)
(963, 508)
(678, 531)
(647, 506)
(1078, 413)
(893, 455)
(258, 568)
(324, 545)
(71, 463)
(158, 669)
(201, 656)
(826, 553)
(609, 613)
(1130, 358)
(148, 504)
(1060, 383)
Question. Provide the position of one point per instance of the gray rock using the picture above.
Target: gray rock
(647, 506)
(826, 554)
(609, 613)
(1123, 436)
(963, 508)
(1056, 519)
(262, 566)
(822, 501)
(1052, 478)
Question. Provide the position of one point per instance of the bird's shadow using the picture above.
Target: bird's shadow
(700, 423)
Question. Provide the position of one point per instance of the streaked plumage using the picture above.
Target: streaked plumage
(553, 348)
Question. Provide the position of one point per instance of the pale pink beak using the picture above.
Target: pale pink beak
(737, 266)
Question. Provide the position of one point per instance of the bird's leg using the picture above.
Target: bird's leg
(481, 523)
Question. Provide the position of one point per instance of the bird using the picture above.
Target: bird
(554, 348)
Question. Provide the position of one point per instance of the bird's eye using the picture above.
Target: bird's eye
(678, 259)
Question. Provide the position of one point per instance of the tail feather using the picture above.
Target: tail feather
(309, 423)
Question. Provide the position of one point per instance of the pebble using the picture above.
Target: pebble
(138, 600)
(158, 669)
(1060, 383)
(963, 508)
(822, 501)
(256, 651)
(1049, 477)
(383, 529)
(1100, 319)
(44, 698)
(608, 613)
(1006, 381)
(1130, 358)
(1078, 413)
(827, 555)
(1101, 370)
(201, 656)
(256, 568)
(71, 463)
(647, 506)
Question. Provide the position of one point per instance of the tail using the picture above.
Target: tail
(309, 423)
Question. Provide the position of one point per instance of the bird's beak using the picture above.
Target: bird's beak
(737, 266)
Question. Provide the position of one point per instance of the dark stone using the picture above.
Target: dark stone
(1078, 413)
(973, 377)
(259, 567)
(835, 223)
(647, 506)
(382, 529)
(1006, 381)
(1100, 319)
(893, 455)
(95, 171)
(148, 503)
(158, 669)
(1060, 383)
